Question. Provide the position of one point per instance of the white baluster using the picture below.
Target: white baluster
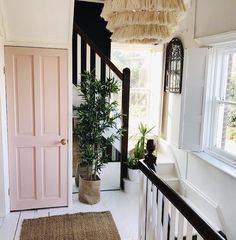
(140, 220)
(172, 222)
(98, 66)
(142, 206)
(154, 213)
(78, 59)
(159, 215)
(149, 210)
(88, 57)
(108, 71)
(166, 215)
(189, 231)
(180, 226)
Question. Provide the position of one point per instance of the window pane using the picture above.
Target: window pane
(230, 90)
(138, 109)
(117, 97)
(226, 131)
(145, 64)
(137, 61)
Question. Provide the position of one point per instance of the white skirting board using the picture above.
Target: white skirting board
(206, 207)
(110, 176)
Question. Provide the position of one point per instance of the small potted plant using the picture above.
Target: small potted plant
(138, 152)
(96, 115)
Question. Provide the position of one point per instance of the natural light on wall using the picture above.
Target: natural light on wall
(145, 64)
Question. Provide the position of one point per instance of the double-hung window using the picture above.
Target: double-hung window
(220, 132)
(208, 102)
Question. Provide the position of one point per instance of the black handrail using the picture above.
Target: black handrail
(86, 38)
(202, 227)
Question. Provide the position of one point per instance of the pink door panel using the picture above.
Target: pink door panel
(36, 82)
(25, 161)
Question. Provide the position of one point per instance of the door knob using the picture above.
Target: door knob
(63, 141)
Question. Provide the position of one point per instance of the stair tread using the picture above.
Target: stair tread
(166, 169)
(163, 159)
(168, 177)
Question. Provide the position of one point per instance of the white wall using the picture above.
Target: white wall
(187, 26)
(218, 186)
(172, 102)
(4, 200)
(45, 23)
(213, 16)
(4, 206)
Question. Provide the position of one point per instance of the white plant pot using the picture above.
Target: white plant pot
(130, 186)
(133, 175)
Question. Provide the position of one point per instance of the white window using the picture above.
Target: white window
(220, 132)
(146, 71)
(208, 102)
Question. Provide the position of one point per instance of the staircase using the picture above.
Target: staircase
(168, 172)
(166, 214)
(95, 60)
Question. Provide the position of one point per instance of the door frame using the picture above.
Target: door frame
(4, 180)
(4, 168)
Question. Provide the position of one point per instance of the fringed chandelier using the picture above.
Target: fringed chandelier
(142, 21)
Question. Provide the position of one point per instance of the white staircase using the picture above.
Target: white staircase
(167, 170)
(162, 213)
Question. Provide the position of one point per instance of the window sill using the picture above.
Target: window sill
(217, 163)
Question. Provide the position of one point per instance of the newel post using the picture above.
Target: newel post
(125, 124)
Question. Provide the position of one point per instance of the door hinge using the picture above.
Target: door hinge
(8, 191)
(4, 70)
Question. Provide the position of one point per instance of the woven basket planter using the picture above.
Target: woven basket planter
(89, 191)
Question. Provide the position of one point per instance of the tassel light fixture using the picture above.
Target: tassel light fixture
(142, 21)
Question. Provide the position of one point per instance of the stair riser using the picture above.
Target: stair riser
(166, 169)
(174, 184)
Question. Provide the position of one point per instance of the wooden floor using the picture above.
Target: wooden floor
(123, 206)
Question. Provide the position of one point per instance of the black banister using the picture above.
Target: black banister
(202, 227)
(125, 127)
(106, 60)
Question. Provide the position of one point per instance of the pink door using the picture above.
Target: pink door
(36, 82)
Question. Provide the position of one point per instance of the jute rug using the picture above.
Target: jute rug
(79, 226)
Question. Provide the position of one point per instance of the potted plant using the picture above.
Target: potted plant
(96, 115)
(138, 152)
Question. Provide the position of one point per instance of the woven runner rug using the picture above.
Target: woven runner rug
(79, 226)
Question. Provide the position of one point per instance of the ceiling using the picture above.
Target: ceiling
(32, 22)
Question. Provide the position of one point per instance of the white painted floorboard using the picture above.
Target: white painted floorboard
(9, 226)
(1, 221)
(123, 206)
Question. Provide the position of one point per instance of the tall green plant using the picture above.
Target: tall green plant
(96, 114)
(140, 147)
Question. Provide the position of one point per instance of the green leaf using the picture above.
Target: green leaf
(96, 114)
